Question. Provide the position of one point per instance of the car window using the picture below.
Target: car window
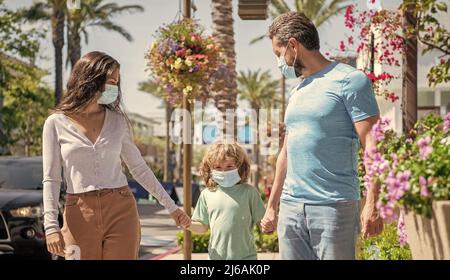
(20, 174)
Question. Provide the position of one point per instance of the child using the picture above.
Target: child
(228, 206)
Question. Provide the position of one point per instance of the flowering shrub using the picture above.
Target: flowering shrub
(412, 172)
(390, 35)
(386, 246)
(387, 51)
(184, 61)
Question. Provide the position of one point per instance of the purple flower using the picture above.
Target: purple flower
(394, 160)
(401, 230)
(423, 186)
(378, 129)
(424, 147)
(447, 123)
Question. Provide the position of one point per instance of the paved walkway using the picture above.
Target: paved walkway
(201, 256)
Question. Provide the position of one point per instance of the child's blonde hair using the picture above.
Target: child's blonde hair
(219, 152)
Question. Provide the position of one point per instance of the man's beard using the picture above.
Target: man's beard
(299, 67)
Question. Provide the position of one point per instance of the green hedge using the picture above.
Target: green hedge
(264, 242)
(384, 246)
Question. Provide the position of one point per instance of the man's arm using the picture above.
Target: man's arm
(372, 224)
(269, 222)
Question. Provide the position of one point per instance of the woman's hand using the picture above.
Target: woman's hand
(181, 218)
(55, 244)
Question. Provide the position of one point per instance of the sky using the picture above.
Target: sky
(143, 25)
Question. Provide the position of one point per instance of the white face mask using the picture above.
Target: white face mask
(109, 95)
(287, 70)
(226, 179)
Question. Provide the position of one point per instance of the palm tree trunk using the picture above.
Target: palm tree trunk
(58, 19)
(222, 18)
(74, 43)
(256, 149)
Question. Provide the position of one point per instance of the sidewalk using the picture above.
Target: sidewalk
(204, 256)
(158, 231)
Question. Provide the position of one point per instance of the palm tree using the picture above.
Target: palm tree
(319, 11)
(94, 13)
(222, 19)
(55, 12)
(259, 89)
(152, 87)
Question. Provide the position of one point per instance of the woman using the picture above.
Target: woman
(86, 138)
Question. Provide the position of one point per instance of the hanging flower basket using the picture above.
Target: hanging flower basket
(184, 61)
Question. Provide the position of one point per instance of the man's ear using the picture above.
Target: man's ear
(293, 43)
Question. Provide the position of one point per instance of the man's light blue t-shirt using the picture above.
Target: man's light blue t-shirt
(322, 144)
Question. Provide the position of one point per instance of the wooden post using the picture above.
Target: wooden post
(409, 94)
(187, 157)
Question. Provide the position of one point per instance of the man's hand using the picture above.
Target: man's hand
(371, 222)
(269, 221)
(181, 218)
(55, 244)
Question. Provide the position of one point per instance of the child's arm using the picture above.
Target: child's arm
(197, 227)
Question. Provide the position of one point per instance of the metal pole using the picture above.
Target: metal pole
(187, 156)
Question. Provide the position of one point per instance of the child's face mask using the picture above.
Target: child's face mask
(226, 179)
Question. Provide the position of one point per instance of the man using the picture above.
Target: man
(316, 182)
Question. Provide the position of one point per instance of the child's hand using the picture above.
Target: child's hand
(180, 218)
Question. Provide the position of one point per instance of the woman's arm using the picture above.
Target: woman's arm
(51, 162)
(142, 173)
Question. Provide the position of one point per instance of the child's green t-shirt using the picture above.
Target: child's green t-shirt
(230, 213)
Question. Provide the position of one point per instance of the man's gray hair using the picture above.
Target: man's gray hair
(295, 25)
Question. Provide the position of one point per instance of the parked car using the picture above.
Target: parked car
(21, 211)
(174, 190)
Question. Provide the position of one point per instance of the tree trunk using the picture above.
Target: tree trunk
(74, 43)
(58, 19)
(409, 100)
(256, 149)
(222, 18)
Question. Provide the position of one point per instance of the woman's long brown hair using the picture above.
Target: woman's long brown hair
(87, 80)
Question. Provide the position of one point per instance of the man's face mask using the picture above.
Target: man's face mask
(287, 70)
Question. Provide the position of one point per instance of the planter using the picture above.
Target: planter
(429, 239)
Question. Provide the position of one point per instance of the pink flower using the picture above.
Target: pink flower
(379, 128)
(424, 183)
(401, 230)
(424, 147)
(349, 19)
(342, 46)
(372, 76)
(447, 123)
(350, 40)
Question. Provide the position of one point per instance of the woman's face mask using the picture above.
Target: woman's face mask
(226, 179)
(109, 95)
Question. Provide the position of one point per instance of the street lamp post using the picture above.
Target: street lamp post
(187, 157)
